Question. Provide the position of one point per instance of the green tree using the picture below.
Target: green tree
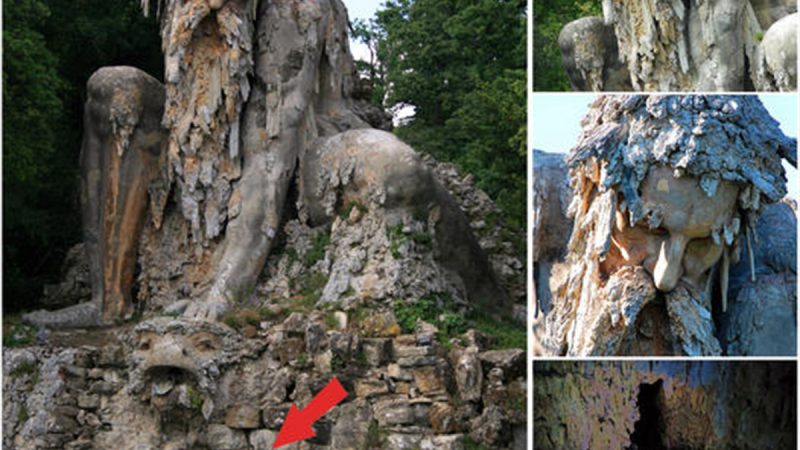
(32, 110)
(461, 65)
(50, 49)
(369, 33)
(549, 17)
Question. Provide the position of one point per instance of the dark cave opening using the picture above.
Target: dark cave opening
(648, 431)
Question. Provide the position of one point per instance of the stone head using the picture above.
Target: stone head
(178, 361)
(671, 183)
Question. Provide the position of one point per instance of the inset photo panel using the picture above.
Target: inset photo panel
(662, 405)
(665, 46)
(664, 225)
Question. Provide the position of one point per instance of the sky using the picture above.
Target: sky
(556, 123)
(361, 9)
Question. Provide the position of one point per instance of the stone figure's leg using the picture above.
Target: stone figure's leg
(377, 169)
(276, 124)
(727, 53)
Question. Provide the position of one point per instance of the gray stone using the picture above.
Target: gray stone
(376, 351)
(220, 437)
(242, 416)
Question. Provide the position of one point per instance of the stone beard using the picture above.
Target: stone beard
(666, 193)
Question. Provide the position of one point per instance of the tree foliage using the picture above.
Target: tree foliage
(461, 65)
(50, 48)
(549, 17)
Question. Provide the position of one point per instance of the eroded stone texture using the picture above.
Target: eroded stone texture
(675, 45)
(714, 405)
(670, 187)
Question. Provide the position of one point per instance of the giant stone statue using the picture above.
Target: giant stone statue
(666, 196)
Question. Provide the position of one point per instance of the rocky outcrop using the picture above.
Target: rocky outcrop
(662, 404)
(697, 45)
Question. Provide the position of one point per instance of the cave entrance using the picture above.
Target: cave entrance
(648, 431)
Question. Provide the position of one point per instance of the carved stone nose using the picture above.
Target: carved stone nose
(669, 267)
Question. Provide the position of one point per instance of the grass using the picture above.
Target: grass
(344, 213)
(310, 288)
(506, 334)
(759, 36)
(16, 333)
(302, 359)
(330, 321)
(195, 399)
(238, 319)
(376, 437)
(396, 239)
(25, 368)
(422, 239)
(439, 310)
(243, 293)
(470, 444)
(22, 414)
(318, 248)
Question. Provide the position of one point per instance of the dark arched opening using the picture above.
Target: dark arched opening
(648, 431)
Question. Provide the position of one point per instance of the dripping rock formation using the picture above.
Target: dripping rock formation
(681, 242)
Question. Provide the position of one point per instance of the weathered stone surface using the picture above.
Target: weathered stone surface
(703, 45)
(763, 312)
(469, 374)
(243, 417)
(376, 351)
(220, 437)
(490, 427)
(350, 430)
(776, 58)
(661, 211)
(702, 404)
(371, 388)
(396, 411)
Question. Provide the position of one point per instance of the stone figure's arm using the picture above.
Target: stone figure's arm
(121, 155)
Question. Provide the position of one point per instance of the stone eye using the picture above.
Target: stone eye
(144, 345)
(205, 345)
(205, 342)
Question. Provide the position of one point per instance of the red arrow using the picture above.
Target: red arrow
(297, 426)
